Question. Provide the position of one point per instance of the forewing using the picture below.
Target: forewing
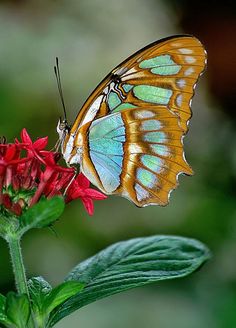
(136, 153)
(163, 73)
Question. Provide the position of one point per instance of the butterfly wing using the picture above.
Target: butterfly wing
(163, 73)
(136, 153)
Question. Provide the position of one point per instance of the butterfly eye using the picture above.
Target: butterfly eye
(62, 126)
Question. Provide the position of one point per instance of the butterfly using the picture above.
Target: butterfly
(128, 135)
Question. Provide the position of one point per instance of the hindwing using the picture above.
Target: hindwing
(136, 153)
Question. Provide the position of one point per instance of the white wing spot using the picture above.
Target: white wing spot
(185, 51)
(68, 148)
(189, 71)
(141, 192)
(160, 150)
(176, 44)
(135, 149)
(144, 114)
(133, 75)
(190, 59)
(120, 71)
(179, 100)
(76, 159)
(181, 83)
(92, 111)
(131, 71)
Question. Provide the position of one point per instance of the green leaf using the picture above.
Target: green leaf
(6, 323)
(62, 293)
(45, 299)
(17, 309)
(131, 264)
(3, 317)
(42, 214)
(39, 288)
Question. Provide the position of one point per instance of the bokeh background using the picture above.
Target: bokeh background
(90, 38)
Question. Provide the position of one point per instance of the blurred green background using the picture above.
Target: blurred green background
(90, 38)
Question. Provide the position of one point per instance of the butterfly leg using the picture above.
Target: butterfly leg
(69, 184)
(57, 145)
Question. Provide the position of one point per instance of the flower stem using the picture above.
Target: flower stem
(19, 270)
(18, 266)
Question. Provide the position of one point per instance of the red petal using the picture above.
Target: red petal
(64, 180)
(25, 137)
(27, 183)
(75, 193)
(88, 204)
(95, 194)
(38, 193)
(10, 153)
(8, 176)
(82, 181)
(2, 169)
(15, 182)
(50, 159)
(41, 143)
(47, 174)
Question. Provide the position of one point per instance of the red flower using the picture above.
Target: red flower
(79, 188)
(25, 178)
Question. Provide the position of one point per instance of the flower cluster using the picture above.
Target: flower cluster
(29, 172)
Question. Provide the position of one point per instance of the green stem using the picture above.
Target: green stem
(18, 266)
(19, 271)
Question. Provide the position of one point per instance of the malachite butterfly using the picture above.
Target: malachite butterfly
(128, 135)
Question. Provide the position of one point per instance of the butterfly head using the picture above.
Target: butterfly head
(63, 129)
(71, 143)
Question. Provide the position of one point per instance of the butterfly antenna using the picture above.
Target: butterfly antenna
(59, 86)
